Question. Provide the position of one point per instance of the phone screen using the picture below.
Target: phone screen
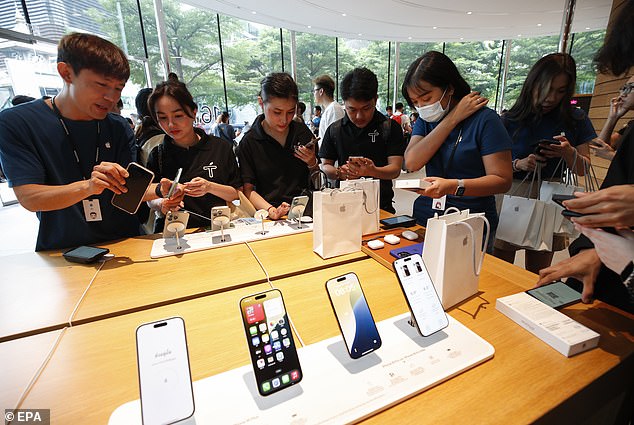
(398, 220)
(137, 183)
(298, 206)
(273, 353)
(420, 294)
(353, 314)
(164, 376)
(555, 295)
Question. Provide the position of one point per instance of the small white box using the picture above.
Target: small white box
(411, 184)
(551, 326)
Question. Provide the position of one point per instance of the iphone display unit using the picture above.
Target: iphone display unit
(298, 206)
(555, 295)
(165, 380)
(137, 183)
(222, 211)
(271, 346)
(420, 294)
(353, 314)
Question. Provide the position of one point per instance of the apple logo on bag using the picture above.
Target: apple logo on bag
(465, 241)
(517, 208)
(342, 209)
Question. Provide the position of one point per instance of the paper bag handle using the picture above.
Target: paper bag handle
(477, 268)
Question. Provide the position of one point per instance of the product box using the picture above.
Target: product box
(411, 184)
(551, 326)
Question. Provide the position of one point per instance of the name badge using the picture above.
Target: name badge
(439, 204)
(92, 210)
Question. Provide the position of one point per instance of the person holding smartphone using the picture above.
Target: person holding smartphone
(66, 156)
(209, 167)
(462, 144)
(545, 129)
(274, 162)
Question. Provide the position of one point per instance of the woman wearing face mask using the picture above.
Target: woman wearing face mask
(210, 171)
(543, 112)
(462, 144)
(274, 162)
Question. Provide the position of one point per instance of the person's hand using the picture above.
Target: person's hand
(439, 187)
(197, 187)
(170, 205)
(615, 251)
(564, 149)
(307, 155)
(584, 266)
(617, 109)
(279, 212)
(530, 162)
(468, 105)
(107, 175)
(610, 207)
(175, 201)
(359, 167)
(601, 149)
(345, 172)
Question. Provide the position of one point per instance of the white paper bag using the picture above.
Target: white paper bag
(453, 254)
(337, 222)
(371, 198)
(527, 223)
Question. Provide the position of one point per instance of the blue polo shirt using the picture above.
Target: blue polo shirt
(482, 134)
(524, 136)
(34, 149)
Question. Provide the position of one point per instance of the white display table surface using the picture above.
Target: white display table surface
(336, 388)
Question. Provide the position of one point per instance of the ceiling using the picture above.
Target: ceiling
(416, 20)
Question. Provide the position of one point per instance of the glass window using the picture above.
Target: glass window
(584, 47)
(478, 63)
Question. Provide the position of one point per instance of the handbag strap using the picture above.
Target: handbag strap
(477, 266)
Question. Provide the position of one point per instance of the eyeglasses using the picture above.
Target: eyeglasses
(626, 89)
(316, 89)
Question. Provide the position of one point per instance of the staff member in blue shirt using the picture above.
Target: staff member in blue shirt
(462, 144)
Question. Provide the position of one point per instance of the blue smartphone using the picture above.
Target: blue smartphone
(353, 314)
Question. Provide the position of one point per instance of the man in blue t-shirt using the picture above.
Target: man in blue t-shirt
(61, 154)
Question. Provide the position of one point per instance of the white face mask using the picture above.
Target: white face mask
(433, 112)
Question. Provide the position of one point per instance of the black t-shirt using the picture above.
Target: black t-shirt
(343, 139)
(211, 158)
(275, 172)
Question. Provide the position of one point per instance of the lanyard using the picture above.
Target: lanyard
(70, 140)
(453, 152)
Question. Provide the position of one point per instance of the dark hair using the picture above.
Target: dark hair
(327, 84)
(301, 108)
(439, 71)
(617, 53)
(318, 108)
(148, 126)
(176, 90)
(140, 102)
(280, 85)
(224, 117)
(399, 105)
(20, 98)
(87, 51)
(360, 84)
(120, 104)
(538, 83)
(389, 108)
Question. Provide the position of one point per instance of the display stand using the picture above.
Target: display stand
(336, 388)
(201, 241)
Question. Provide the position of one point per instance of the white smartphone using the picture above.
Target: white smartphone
(174, 183)
(353, 314)
(420, 294)
(298, 206)
(165, 380)
(218, 212)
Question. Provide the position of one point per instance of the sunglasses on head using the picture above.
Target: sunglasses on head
(626, 89)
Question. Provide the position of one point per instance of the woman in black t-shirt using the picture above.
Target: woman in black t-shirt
(210, 172)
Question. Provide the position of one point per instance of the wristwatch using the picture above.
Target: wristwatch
(460, 188)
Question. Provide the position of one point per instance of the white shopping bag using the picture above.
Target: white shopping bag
(527, 223)
(453, 253)
(371, 196)
(337, 222)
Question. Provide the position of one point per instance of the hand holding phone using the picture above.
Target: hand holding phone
(174, 183)
(420, 294)
(353, 314)
(137, 183)
(271, 346)
(555, 295)
(165, 381)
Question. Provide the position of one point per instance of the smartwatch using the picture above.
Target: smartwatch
(460, 188)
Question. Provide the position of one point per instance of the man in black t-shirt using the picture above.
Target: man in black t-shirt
(364, 142)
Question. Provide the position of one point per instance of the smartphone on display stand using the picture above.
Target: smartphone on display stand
(137, 183)
(353, 315)
(298, 206)
(222, 211)
(420, 294)
(555, 295)
(165, 381)
(270, 340)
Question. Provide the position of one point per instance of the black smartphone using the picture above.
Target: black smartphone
(540, 144)
(137, 183)
(273, 353)
(398, 221)
(559, 199)
(85, 254)
(353, 314)
(571, 213)
(555, 295)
